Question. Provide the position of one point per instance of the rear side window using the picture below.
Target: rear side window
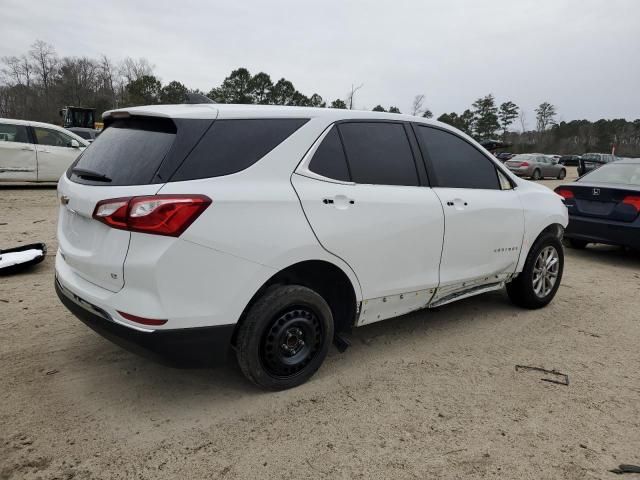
(129, 151)
(329, 160)
(456, 163)
(230, 146)
(13, 133)
(379, 153)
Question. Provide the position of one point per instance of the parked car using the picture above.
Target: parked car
(36, 152)
(535, 166)
(591, 161)
(604, 204)
(554, 158)
(570, 160)
(504, 156)
(273, 230)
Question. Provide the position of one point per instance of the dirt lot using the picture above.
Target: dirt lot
(431, 395)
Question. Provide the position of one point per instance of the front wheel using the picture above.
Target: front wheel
(562, 174)
(540, 278)
(285, 337)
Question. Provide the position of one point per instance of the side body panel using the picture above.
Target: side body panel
(54, 161)
(17, 162)
(483, 236)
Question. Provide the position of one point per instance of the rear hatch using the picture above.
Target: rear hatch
(598, 201)
(134, 156)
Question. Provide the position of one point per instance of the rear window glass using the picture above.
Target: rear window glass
(233, 145)
(129, 151)
(329, 160)
(379, 153)
(620, 173)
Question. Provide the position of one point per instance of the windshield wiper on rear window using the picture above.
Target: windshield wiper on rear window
(90, 174)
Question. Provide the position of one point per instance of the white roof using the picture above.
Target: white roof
(219, 110)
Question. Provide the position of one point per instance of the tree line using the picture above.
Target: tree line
(36, 84)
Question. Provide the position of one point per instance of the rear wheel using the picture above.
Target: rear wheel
(540, 278)
(537, 175)
(285, 337)
(562, 174)
(577, 244)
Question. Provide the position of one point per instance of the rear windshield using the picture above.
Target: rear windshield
(143, 150)
(619, 173)
(129, 151)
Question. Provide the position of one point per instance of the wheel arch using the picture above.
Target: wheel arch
(327, 279)
(554, 226)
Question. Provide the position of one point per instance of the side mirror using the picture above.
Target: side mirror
(74, 143)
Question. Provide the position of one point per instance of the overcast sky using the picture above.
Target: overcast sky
(581, 55)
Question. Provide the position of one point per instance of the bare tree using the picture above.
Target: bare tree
(523, 120)
(132, 69)
(46, 61)
(416, 108)
(352, 94)
(17, 70)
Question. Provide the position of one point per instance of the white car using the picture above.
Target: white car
(190, 231)
(35, 151)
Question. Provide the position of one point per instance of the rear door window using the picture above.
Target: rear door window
(129, 151)
(329, 159)
(455, 162)
(379, 153)
(230, 146)
(13, 133)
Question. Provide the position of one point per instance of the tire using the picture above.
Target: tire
(284, 337)
(537, 175)
(562, 174)
(522, 290)
(577, 244)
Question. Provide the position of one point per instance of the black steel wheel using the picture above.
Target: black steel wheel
(285, 337)
(291, 341)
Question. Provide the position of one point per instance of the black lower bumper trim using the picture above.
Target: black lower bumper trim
(603, 231)
(185, 347)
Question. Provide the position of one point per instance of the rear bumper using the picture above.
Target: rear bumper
(604, 231)
(201, 346)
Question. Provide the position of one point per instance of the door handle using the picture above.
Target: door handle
(339, 201)
(458, 203)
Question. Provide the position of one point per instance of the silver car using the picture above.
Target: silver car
(535, 166)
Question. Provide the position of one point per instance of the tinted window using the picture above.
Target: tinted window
(379, 153)
(620, 173)
(129, 151)
(13, 133)
(53, 138)
(456, 163)
(329, 160)
(230, 146)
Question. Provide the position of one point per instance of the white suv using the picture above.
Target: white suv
(190, 231)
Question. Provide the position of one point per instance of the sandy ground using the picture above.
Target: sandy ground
(430, 395)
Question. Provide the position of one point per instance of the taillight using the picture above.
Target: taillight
(524, 164)
(564, 193)
(633, 200)
(167, 215)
